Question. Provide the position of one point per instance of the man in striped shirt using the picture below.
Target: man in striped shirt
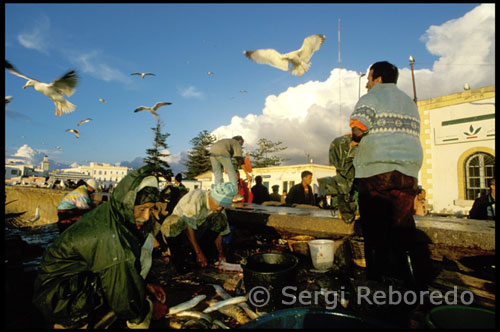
(75, 204)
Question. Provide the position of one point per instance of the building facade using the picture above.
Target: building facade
(105, 174)
(458, 140)
(283, 176)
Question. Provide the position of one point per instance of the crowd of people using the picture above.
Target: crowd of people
(100, 262)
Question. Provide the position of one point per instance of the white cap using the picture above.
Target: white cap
(93, 183)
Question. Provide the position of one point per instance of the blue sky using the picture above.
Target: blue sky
(180, 43)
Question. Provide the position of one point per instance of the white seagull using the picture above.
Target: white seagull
(8, 99)
(102, 100)
(64, 85)
(74, 131)
(209, 73)
(243, 91)
(58, 147)
(84, 121)
(152, 109)
(296, 62)
(143, 74)
(37, 215)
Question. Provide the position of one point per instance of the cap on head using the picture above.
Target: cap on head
(238, 138)
(178, 177)
(223, 194)
(92, 183)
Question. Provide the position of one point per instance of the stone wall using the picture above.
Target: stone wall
(28, 198)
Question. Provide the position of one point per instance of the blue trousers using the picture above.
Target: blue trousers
(218, 165)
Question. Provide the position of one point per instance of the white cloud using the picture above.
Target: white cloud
(306, 117)
(191, 92)
(90, 63)
(37, 38)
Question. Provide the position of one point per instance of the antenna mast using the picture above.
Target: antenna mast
(340, 83)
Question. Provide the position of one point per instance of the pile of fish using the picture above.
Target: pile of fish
(233, 307)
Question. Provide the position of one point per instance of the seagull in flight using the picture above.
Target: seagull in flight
(296, 62)
(64, 85)
(74, 131)
(152, 109)
(84, 121)
(58, 147)
(143, 74)
(102, 100)
(8, 99)
(243, 91)
(209, 73)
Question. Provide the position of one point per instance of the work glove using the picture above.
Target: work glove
(147, 320)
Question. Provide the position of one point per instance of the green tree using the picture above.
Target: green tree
(155, 155)
(198, 157)
(261, 156)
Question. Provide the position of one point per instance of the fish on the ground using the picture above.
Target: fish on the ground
(220, 324)
(225, 296)
(218, 305)
(186, 305)
(195, 314)
(232, 311)
(225, 266)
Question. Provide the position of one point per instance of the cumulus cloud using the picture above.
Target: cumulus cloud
(307, 117)
(191, 92)
(28, 155)
(37, 38)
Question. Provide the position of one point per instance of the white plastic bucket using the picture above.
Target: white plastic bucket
(322, 252)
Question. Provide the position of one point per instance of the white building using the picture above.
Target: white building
(284, 176)
(104, 173)
(18, 169)
(458, 139)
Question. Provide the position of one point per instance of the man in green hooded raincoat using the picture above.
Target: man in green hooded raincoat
(96, 264)
(341, 155)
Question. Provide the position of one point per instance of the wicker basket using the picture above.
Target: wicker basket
(357, 244)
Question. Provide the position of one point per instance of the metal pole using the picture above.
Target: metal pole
(359, 84)
(413, 79)
(340, 83)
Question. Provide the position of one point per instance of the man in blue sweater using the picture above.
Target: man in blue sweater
(386, 123)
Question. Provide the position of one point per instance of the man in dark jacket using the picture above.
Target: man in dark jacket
(260, 192)
(301, 193)
(484, 206)
(100, 263)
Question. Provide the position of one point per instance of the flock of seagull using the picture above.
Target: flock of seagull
(295, 62)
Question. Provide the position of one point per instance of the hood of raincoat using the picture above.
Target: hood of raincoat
(100, 253)
(122, 200)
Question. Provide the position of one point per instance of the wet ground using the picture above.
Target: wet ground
(24, 249)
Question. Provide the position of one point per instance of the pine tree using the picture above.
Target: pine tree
(260, 156)
(155, 156)
(198, 157)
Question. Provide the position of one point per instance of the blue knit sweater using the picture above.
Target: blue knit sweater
(392, 141)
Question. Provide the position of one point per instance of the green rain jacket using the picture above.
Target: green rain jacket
(341, 155)
(96, 261)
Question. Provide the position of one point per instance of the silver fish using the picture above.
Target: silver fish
(186, 305)
(195, 314)
(225, 296)
(220, 324)
(233, 300)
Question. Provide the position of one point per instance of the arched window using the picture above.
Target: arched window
(479, 168)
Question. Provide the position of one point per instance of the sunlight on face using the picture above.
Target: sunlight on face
(142, 213)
